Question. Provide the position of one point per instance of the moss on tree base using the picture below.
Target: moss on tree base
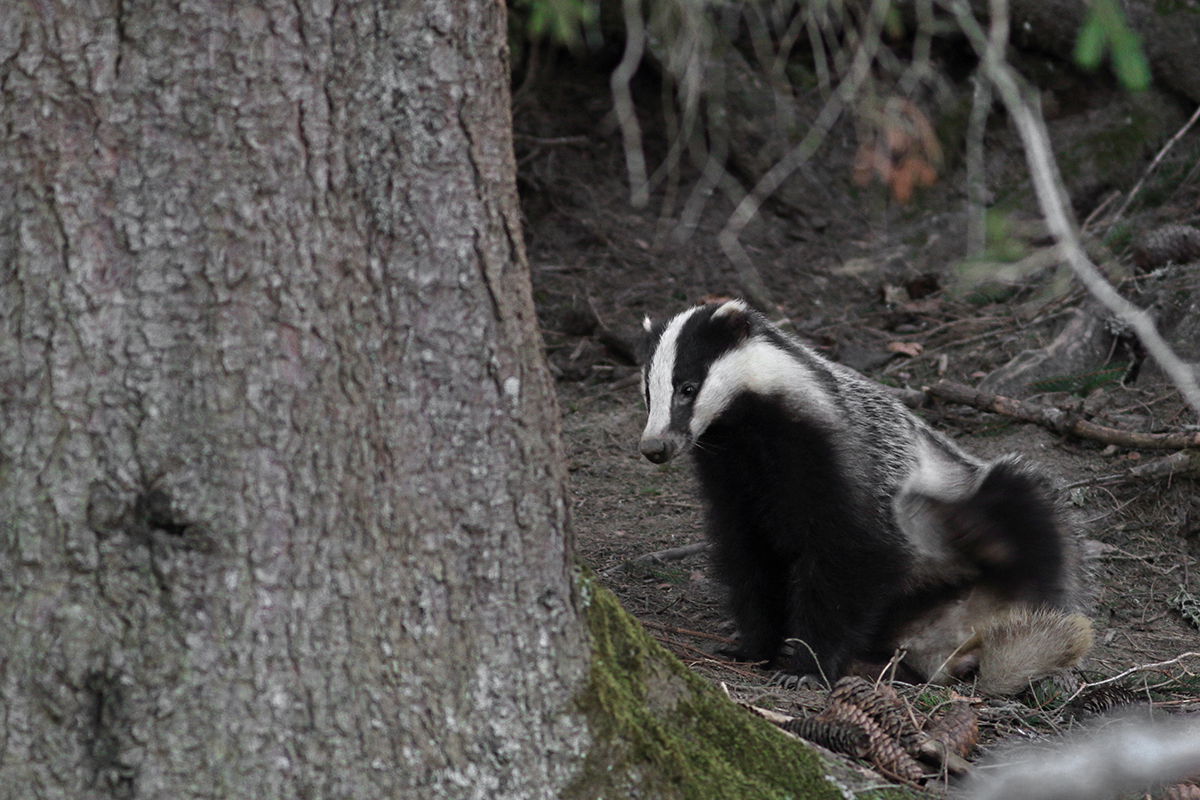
(662, 731)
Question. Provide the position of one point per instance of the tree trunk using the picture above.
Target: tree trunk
(282, 503)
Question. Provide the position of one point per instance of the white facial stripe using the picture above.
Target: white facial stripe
(761, 368)
(659, 382)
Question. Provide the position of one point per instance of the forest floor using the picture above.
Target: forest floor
(854, 277)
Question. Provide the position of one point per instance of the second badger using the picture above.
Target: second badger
(843, 527)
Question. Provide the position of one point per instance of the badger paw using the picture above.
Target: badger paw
(787, 680)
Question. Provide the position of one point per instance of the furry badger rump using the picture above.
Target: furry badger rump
(843, 527)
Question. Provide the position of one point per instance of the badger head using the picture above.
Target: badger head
(697, 363)
(682, 392)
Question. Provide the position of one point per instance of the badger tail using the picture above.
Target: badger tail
(1024, 645)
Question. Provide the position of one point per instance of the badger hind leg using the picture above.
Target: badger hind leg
(1003, 646)
(1027, 644)
(1008, 529)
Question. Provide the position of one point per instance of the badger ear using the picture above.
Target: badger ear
(645, 342)
(735, 317)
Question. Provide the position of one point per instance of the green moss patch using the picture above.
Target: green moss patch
(662, 731)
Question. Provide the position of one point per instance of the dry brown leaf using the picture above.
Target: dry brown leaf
(901, 148)
(910, 349)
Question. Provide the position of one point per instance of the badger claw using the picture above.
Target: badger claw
(786, 680)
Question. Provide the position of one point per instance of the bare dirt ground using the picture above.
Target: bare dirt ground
(599, 265)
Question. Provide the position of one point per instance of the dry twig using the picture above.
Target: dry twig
(1138, 186)
(1173, 464)
(658, 626)
(1133, 671)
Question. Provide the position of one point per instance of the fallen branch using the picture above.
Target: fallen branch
(1184, 461)
(659, 557)
(671, 554)
(658, 626)
(1138, 186)
(1058, 420)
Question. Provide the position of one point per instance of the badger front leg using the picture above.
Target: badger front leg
(829, 622)
(756, 598)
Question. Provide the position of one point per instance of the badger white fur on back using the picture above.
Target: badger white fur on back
(841, 520)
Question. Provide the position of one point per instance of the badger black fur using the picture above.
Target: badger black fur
(843, 527)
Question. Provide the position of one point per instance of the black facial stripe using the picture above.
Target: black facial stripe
(649, 343)
(681, 417)
(701, 342)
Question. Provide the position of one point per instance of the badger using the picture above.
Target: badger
(845, 529)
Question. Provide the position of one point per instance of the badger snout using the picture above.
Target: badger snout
(657, 449)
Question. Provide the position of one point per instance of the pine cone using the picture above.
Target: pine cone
(854, 689)
(839, 736)
(1101, 700)
(1177, 243)
(888, 756)
(883, 705)
(1188, 790)
(852, 715)
(958, 729)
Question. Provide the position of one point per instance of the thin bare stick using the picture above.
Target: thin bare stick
(1098, 210)
(631, 131)
(824, 678)
(658, 557)
(922, 48)
(1133, 671)
(711, 150)
(1138, 186)
(1176, 463)
(817, 42)
(712, 637)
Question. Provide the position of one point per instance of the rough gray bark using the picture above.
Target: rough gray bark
(282, 511)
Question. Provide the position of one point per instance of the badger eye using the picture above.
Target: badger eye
(687, 390)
